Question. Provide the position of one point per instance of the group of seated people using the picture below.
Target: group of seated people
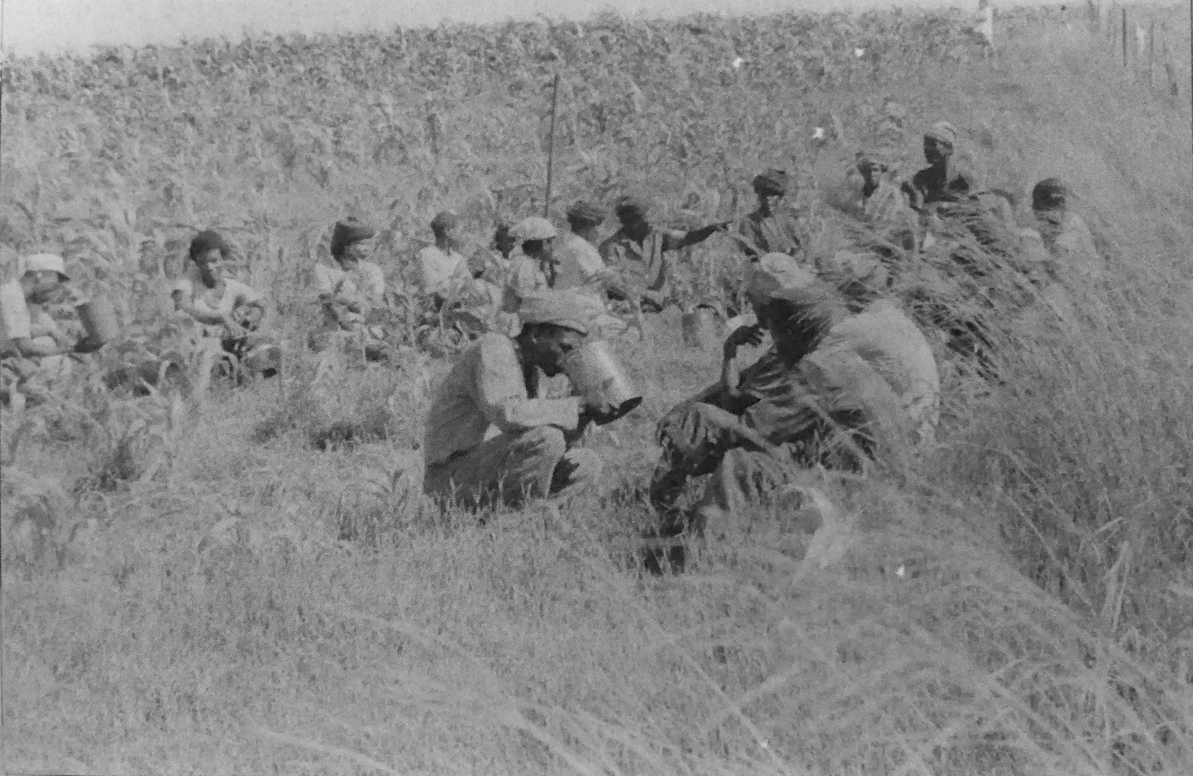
(843, 384)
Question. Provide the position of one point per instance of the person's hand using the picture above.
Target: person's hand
(598, 415)
(743, 335)
(87, 345)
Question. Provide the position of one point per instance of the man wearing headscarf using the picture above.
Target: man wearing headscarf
(836, 388)
(495, 384)
(350, 290)
(33, 348)
(943, 180)
(443, 265)
(637, 253)
(766, 229)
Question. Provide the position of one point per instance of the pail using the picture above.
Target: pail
(99, 320)
(595, 371)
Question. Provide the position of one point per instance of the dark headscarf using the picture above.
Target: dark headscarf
(631, 206)
(208, 240)
(772, 183)
(583, 213)
(1049, 193)
(443, 221)
(348, 231)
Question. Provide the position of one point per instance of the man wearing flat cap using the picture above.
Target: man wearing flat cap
(637, 253)
(494, 385)
(943, 180)
(836, 389)
(351, 289)
(33, 348)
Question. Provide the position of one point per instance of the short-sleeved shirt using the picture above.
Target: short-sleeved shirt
(1072, 246)
(580, 263)
(438, 269)
(19, 319)
(525, 276)
(213, 300)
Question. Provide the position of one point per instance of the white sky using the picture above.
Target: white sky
(31, 26)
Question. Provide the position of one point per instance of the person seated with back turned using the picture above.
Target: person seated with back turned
(494, 383)
(836, 389)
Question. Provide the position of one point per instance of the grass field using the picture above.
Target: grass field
(174, 595)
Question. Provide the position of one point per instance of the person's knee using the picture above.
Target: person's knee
(587, 466)
(542, 442)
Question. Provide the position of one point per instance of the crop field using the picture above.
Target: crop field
(225, 583)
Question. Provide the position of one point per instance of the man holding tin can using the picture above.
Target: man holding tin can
(494, 384)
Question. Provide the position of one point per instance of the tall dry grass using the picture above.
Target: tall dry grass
(1020, 605)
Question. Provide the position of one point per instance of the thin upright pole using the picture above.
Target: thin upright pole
(1124, 36)
(551, 148)
(1151, 51)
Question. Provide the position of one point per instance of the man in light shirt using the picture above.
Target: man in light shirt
(580, 265)
(443, 264)
(33, 349)
(494, 385)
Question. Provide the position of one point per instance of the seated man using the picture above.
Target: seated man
(943, 180)
(836, 389)
(33, 349)
(580, 265)
(639, 255)
(1064, 232)
(350, 291)
(223, 308)
(442, 266)
(767, 229)
(494, 383)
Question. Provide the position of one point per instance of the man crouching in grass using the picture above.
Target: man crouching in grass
(837, 389)
(494, 383)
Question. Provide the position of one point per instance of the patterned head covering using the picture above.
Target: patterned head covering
(779, 276)
(533, 228)
(566, 309)
(943, 132)
(772, 183)
(631, 206)
(209, 240)
(585, 213)
(1050, 193)
(443, 221)
(346, 232)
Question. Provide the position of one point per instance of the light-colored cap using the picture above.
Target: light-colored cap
(534, 228)
(44, 262)
(778, 276)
